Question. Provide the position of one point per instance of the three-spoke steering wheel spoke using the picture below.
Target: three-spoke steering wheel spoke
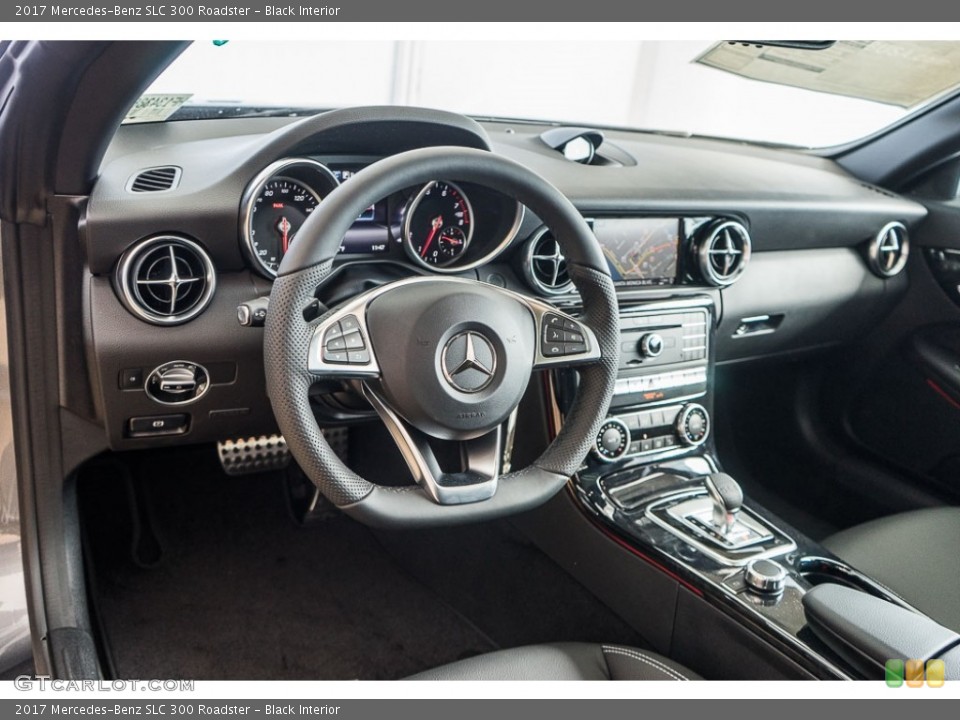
(562, 341)
(480, 458)
(341, 346)
(441, 378)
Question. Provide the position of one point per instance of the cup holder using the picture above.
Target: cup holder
(820, 570)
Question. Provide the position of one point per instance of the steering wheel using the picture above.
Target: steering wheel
(440, 357)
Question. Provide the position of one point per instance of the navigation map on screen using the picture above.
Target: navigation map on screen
(640, 251)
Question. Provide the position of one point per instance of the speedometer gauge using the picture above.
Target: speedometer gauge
(438, 225)
(278, 212)
(275, 206)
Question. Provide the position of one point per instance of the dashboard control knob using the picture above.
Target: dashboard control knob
(651, 345)
(177, 383)
(765, 577)
(612, 441)
(693, 424)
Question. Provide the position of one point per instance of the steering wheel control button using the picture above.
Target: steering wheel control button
(336, 344)
(335, 356)
(349, 324)
(157, 425)
(553, 334)
(177, 383)
(612, 441)
(469, 361)
(344, 343)
(693, 424)
(354, 341)
(765, 577)
(561, 337)
(332, 333)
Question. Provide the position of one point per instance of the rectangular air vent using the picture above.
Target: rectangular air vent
(156, 179)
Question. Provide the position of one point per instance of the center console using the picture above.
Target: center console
(653, 481)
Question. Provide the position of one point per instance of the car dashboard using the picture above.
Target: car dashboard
(188, 222)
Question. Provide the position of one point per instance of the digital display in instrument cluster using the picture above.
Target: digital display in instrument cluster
(640, 251)
(342, 175)
(368, 236)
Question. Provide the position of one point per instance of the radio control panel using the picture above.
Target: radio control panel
(663, 372)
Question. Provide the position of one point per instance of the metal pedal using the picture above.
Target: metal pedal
(253, 454)
(270, 452)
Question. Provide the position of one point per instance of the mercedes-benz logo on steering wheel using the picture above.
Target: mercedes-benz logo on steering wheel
(469, 361)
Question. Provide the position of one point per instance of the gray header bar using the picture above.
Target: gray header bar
(223, 11)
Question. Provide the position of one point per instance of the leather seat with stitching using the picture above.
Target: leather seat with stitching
(563, 661)
(912, 553)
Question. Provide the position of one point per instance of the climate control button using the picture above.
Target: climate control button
(612, 441)
(693, 424)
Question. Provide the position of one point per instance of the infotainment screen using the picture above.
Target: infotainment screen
(640, 251)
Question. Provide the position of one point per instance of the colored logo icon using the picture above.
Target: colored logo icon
(893, 672)
(913, 673)
(936, 673)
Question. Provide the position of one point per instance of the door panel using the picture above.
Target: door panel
(906, 409)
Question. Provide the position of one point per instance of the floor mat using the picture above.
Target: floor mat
(509, 588)
(241, 591)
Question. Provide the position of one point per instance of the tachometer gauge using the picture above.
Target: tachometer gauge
(276, 205)
(438, 225)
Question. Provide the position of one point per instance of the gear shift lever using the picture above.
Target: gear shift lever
(727, 498)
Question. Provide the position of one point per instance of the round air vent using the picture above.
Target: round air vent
(724, 252)
(544, 265)
(165, 280)
(889, 250)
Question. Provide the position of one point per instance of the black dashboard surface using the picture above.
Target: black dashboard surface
(810, 223)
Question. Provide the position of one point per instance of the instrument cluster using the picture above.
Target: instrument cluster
(443, 226)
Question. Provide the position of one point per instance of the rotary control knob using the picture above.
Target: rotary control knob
(693, 424)
(177, 383)
(765, 577)
(651, 345)
(612, 441)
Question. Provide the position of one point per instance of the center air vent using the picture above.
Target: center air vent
(165, 280)
(724, 252)
(544, 265)
(156, 179)
(889, 250)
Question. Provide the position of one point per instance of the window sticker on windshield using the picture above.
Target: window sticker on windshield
(155, 108)
(895, 73)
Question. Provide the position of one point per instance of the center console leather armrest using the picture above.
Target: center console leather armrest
(867, 631)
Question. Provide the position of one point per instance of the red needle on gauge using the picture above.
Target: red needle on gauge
(284, 227)
(435, 224)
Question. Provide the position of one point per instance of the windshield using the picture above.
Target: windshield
(798, 97)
